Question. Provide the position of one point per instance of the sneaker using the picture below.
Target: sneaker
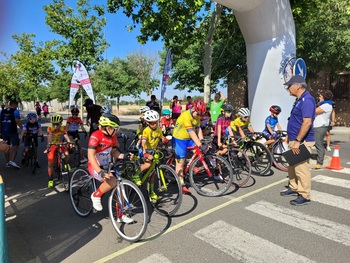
(125, 219)
(13, 164)
(37, 165)
(329, 149)
(50, 184)
(185, 190)
(153, 197)
(218, 178)
(317, 167)
(136, 180)
(96, 202)
(289, 192)
(300, 201)
(84, 160)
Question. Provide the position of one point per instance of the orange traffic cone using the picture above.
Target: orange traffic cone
(335, 162)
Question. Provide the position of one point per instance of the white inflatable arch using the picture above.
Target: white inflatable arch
(269, 32)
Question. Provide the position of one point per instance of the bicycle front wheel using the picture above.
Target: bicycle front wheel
(128, 211)
(64, 170)
(32, 154)
(260, 158)
(215, 184)
(168, 188)
(80, 189)
(242, 169)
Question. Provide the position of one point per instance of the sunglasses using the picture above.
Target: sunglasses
(75, 114)
(153, 122)
(55, 124)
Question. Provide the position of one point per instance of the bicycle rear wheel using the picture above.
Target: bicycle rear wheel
(242, 169)
(80, 189)
(278, 159)
(260, 158)
(209, 185)
(127, 200)
(168, 191)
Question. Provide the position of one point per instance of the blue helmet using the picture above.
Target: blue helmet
(166, 112)
(31, 116)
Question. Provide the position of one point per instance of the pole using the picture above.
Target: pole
(4, 255)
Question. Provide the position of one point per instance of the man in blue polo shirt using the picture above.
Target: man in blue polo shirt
(300, 130)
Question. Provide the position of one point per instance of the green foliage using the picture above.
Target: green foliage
(11, 78)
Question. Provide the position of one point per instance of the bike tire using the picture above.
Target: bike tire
(260, 158)
(76, 159)
(206, 185)
(278, 159)
(242, 168)
(32, 158)
(64, 174)
(134, 205)
(169, 192)
(81, 187)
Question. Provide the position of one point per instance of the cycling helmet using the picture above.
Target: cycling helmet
(244, 112)
(151, 116)
(88, 102)
(74, 110)
(108, 119)
(106, 109)
(166, 112)
(227, 107)
(144, 109)
(31, 116)
(56, 118)
(275, 109)
(199, 106)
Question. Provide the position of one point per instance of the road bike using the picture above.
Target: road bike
(75, 151)
(31, 157)
(201, 169)
(278, 147)
(125, 199)
(167, 185)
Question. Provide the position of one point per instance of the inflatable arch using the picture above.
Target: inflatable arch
(269, 32)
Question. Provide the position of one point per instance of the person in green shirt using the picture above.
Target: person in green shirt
(215, 106)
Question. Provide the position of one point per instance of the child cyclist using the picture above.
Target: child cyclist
(102, 149)
(271, 122)
(55, 134)
(166, 121)
(188, 132)
(31, 129)
(73, 124)
(150, 139)
(242, 123)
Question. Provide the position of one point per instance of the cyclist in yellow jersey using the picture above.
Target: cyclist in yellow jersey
(242, 123)
(188, 132)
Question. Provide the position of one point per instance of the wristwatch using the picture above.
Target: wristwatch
(296, 139)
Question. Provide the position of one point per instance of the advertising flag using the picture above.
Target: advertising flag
(166, 73)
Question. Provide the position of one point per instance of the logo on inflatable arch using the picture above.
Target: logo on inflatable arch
(287, 67)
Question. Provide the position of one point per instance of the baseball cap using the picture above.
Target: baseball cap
(88, 102)
(295, 79)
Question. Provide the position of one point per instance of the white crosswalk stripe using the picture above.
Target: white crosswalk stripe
(332, 181)
(332, 200)
(155, 258)
(238, 244)
(319, 226)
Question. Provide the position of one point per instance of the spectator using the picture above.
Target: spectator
(189, 104)
(300, 130)
(328, 133)
(46, 110)
(2, 106)
(10, 119)
(38, 110)
(93, 115)
(321, 123)
(215, 106)
(176, 108)
(153, 104)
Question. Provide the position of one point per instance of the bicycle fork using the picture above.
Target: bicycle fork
(162, 184)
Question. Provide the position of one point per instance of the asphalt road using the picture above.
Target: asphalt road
(250, 224)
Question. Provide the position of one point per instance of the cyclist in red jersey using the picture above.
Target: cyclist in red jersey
(166, 121)
(102, 149)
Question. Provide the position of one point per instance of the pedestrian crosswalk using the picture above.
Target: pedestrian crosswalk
(245, 245)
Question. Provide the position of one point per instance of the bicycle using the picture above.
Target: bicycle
(31, 157)
(167, 185)
(201, 168)
(259, 155)
(278, 147)
(126, 198)
(76, 151)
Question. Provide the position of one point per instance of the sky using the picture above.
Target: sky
(18, 16)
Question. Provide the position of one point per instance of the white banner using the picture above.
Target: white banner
(166, 74)
(80, 76)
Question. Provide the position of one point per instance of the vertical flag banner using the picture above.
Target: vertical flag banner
(166, 74)
(80, 76)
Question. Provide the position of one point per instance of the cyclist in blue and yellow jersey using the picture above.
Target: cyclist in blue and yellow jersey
(150, 139)
(55, 134)
(242, 123)
(271, 122)
(188, 132)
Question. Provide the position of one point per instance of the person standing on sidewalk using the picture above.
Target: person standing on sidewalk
(300, 130)
(10, 119)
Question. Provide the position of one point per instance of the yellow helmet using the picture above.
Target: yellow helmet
(56, 118)
(109, 120)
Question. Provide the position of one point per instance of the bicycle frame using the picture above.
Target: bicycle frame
(197, 153)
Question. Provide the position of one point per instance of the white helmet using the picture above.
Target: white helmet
(144, 109)
(151, 116)
(244, 112)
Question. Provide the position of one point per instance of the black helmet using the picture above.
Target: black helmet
(227, 107)
(275, 109)
(108, 119)
(88, 102)
(74, 110)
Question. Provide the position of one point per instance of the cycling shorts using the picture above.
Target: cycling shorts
(180, 147)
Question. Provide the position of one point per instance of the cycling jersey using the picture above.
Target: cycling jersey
(56, 135)
(74, 123)
(224, 123)
(152, 137)
(166, 122)
(184, 124)
(31, 128)
(239, 123)
(272, 121)
(103, 145)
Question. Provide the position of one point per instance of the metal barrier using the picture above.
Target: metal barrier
(4, 255)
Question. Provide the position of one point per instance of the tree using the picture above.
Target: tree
(10, 77)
